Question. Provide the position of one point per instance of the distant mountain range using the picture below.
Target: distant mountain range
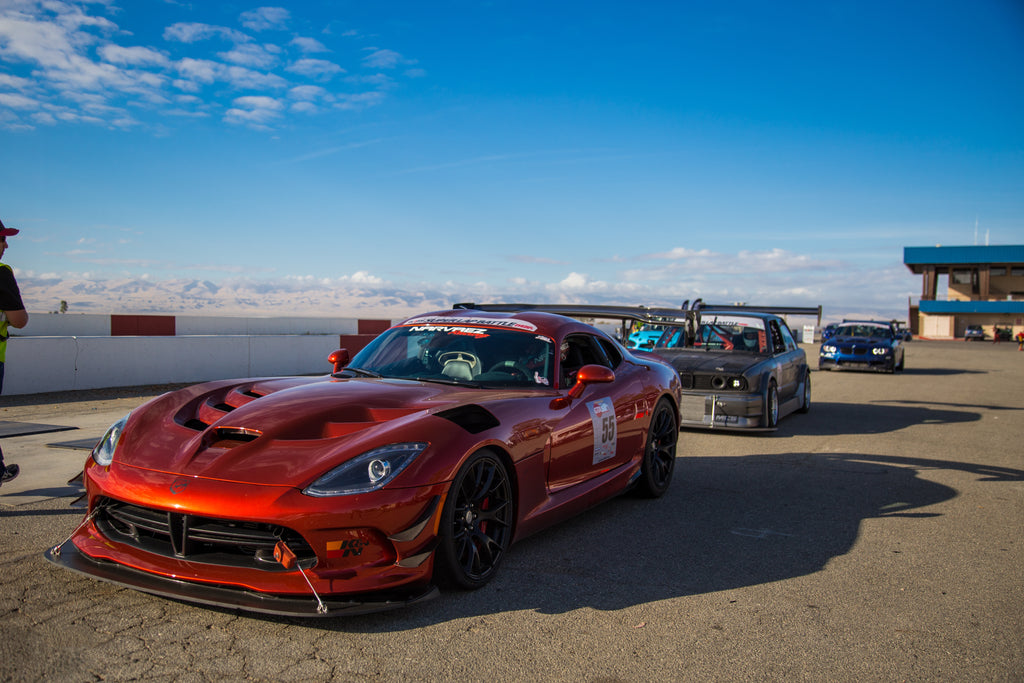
(308, 297)
(138, 295)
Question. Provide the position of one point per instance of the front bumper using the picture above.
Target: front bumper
(839, 361)
(69, 557)
(219, 549)
(722, 411)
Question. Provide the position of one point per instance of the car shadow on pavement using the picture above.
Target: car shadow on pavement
(941, 372)
(726, 523)
(837, 419)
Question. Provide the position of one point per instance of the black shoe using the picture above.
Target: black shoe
(10, 472)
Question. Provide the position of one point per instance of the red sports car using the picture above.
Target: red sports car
(415, 464)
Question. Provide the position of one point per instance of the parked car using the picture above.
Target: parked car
(828, 331)
(740, 368)
(416, 463)
(863, 345)
(974, 333)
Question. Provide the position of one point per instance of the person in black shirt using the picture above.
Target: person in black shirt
(12, 314)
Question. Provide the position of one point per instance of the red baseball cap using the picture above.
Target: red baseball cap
(7, 232)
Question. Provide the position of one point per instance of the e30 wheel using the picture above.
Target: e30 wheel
(806, 405)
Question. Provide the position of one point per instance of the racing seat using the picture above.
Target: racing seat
(459, 365)
(750, 340)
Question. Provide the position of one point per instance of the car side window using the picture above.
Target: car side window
(778, 340)
(611, 352)
(578, 350)
(787, 337)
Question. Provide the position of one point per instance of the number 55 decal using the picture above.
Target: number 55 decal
(602, 415)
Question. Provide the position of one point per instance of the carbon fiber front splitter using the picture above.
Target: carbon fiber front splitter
(69, 557)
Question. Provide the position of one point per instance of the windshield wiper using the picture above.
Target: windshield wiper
(361, 372)
(448, 380)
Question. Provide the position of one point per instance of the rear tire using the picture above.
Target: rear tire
(476, 523)
(660, 452)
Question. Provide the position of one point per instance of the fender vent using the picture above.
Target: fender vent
(473, 418)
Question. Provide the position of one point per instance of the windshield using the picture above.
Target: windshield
(718, 333)
(458, 354)
(732, 333)
(865, 330)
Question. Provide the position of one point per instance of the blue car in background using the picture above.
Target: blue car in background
(864, 345)
(645, 337)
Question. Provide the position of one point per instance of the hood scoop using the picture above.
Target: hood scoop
(199, 415)
(230, 437)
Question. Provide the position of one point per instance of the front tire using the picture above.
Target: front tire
(660, 452)
(477, 523)
(806, 405)
(771, 405)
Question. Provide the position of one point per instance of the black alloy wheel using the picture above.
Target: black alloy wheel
(477, 522)
(659, 452)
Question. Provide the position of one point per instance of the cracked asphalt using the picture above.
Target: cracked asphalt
(877, 538)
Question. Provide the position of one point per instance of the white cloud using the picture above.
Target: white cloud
(72, 50)
(363, 277)
(252, 55)
(191, 32)
(265, 18)
(133, 56)
(17, 101)
(308, 45)
(384, 59)
(315, 68)
(254, 110)
(308, 92)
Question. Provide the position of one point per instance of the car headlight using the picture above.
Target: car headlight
(368, 472)
(828, 348)
(726, 382)
(879, 351)
(103, 452)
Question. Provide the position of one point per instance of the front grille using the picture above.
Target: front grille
(222, 542)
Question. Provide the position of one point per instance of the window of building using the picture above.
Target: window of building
(961, 277)
(997, 271)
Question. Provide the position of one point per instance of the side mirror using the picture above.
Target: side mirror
(590, 374)
(339, 359)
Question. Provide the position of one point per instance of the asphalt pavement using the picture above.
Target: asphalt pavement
(876, 538)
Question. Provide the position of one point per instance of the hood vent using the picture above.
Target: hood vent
(231, 437)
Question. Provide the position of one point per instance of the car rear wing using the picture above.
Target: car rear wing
(688, 314)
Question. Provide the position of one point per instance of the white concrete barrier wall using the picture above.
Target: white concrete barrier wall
(44, 364)
(64, 325)
(194, 324)
(96, 325)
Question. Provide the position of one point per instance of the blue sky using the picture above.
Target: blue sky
(399, 156)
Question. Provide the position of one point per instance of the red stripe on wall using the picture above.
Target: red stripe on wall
(373, 327)
(142, 326)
